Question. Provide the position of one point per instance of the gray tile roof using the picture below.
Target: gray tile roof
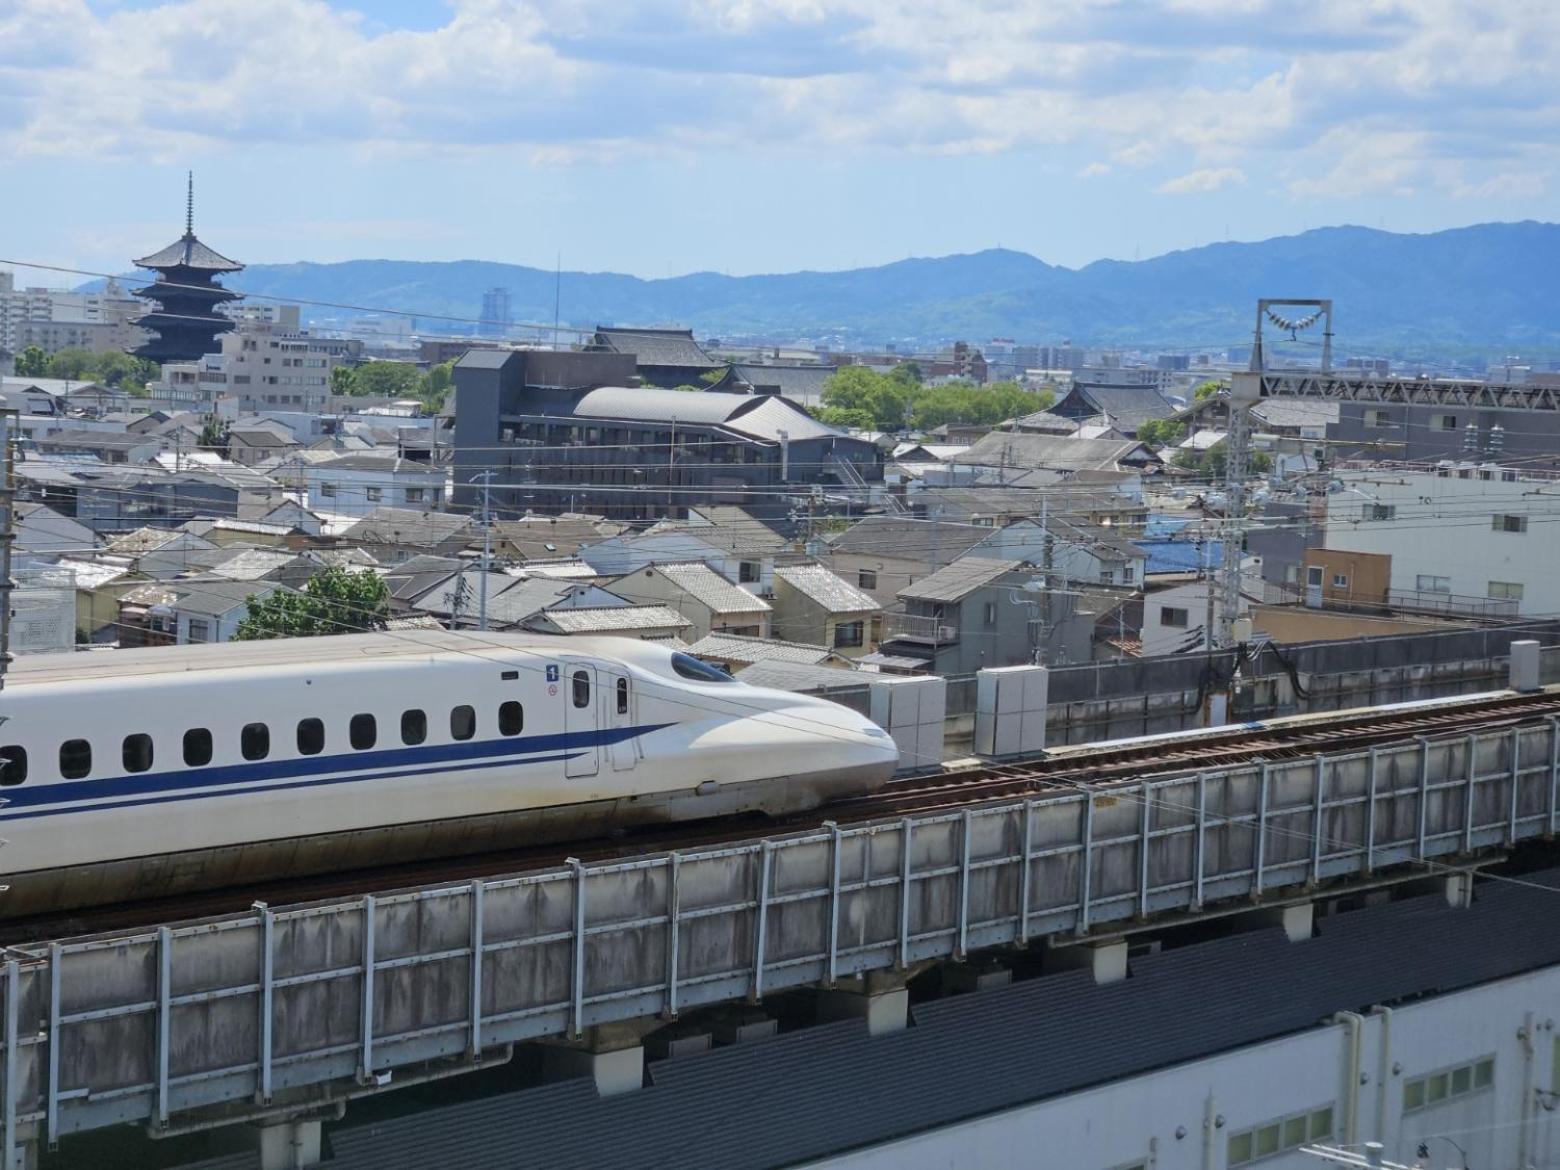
(388, 462)
(827, 588)
(655, 347)
(409, 527)
(1051, 452)
(758, 417)
(801, 676)
(804, 383)
(741, 648)
(892, 536)
(953, 581)
(188, 252)
(708, 587)
(214, 598)
(820, 1091)
(1128, 406)
(609, 619)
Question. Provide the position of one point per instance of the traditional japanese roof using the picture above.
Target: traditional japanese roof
(827, 588)
(893, 536)
(655, 347)
(189, 252)
(1055, 453)
(708, 587)
(408, 526)
(619, 617)
(804, 383)
(742, 648)
(956, 580)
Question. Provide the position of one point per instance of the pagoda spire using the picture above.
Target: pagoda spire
(189, 203)
(186, 294)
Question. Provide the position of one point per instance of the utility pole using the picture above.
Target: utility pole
(9, 423)
(486, 478)
(1047, 563)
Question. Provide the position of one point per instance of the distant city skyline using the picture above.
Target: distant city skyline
(749, 136)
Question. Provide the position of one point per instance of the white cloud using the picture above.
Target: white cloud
(1355, 96)
(1203, 181)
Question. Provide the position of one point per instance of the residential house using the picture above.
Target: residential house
(814, 604)
(43, 536)
(628, 551)
(393, 535)
(108, 446)
(1176, 609)
(146, 616)
(971, 614)
(1081, 553)
(160, 553)
(252, 442)
(525, 597)
(881, 555)
(651, 623)
(212, 611)
(996, 506)
(1007, 459)
(708, 600)
(293, 515)
(355, 485)
(548, 538)
(732, 652)
(752, 543)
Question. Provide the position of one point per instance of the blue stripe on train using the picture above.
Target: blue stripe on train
(312, 768)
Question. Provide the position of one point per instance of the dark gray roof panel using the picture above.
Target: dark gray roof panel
(823, 1090)
(188, 252)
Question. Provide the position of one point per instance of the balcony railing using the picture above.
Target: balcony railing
(916, 627)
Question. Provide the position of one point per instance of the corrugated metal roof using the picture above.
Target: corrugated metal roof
(623, 617)
(823, 1090)
(827, 588)
(958, 578)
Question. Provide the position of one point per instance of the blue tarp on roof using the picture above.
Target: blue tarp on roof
(1171, 545)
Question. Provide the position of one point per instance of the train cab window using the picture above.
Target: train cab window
(622, 696)
(75, 758)
(363, 732)
(463, 722)
(13, 764)
(690, 667)
(197, 747)
(414, 726)
(311, 737)
(511, 718)
(137, 752)
(254, 741)
(581, 688)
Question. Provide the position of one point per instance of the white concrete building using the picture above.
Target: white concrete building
(262, 366)
(56, 318)
(1459, 532)
(356, 484)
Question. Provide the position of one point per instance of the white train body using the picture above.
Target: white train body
(133, 774)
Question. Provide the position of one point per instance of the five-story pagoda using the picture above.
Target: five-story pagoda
(184, 321)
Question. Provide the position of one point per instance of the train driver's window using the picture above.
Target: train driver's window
(197, 747)
(254, 741)
(311, 737)
(511, 718)
(362, 732)
(414, 726)
(137, 752)
(581, 681)
(622, 696)
(75, 758)
(13, 764)
(463, 722)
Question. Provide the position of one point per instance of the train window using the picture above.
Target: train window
(511, 718)
(13, 764)
(254, 741)
(463, 722)
(311, 737)
(75, 758)
(197, 747)
(363, 732)
(137, 752)
(581, 687)
(690, 667)
(414, 726)
(622, 696)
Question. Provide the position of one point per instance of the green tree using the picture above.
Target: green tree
(334, 601)
(910, 371)
(711, 377)
(1207, 390)
(883, 398)
(32, 362)
(214, 435)
(845, 417)
(436, 386)
(386, 379)
(1161, 432)
(341, 380)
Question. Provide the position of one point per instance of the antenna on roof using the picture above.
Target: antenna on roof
(189, 203)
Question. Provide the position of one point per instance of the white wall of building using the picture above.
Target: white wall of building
(1441, 533)
(352, 492)
(1183, 1117)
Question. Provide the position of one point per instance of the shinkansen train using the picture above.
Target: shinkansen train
(140, 773)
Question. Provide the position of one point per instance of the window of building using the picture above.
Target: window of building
(327, 491)
(511, 718)
(991, 613)
(1506, 590)
(1430, 583)
(414, 726)
(200, 631)
(1107, 576)
(463, 722)
(311, 737)
(847, 634)
(747, 572)
(1509, 523)
(1281, 1136)
(373, 494)
(254, 741)
(362, 732)
(1448, 1083)
(1376, 418)
(1380, 511)
(866, 579)
(580, 681)
(1128, 575)
(414, 495)
(1443, 422)
(197, 747)
(1340, 581)
(1174, 616)
(136, 752)
(622, 696)
(75, 759)
(13, 764)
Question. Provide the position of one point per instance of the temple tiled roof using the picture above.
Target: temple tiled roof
(188, 252)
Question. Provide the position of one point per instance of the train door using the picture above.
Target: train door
(619, 702)
(579, 720)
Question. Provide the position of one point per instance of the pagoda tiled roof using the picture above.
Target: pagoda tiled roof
(189, 252)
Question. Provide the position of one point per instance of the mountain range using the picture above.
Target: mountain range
(1485, 290)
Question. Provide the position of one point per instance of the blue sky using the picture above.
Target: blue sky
(762, 135)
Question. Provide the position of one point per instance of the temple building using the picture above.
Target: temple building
(185, 322)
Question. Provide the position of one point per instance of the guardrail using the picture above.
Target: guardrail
(274, 1010)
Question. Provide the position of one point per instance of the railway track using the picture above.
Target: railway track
(1062, 769)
